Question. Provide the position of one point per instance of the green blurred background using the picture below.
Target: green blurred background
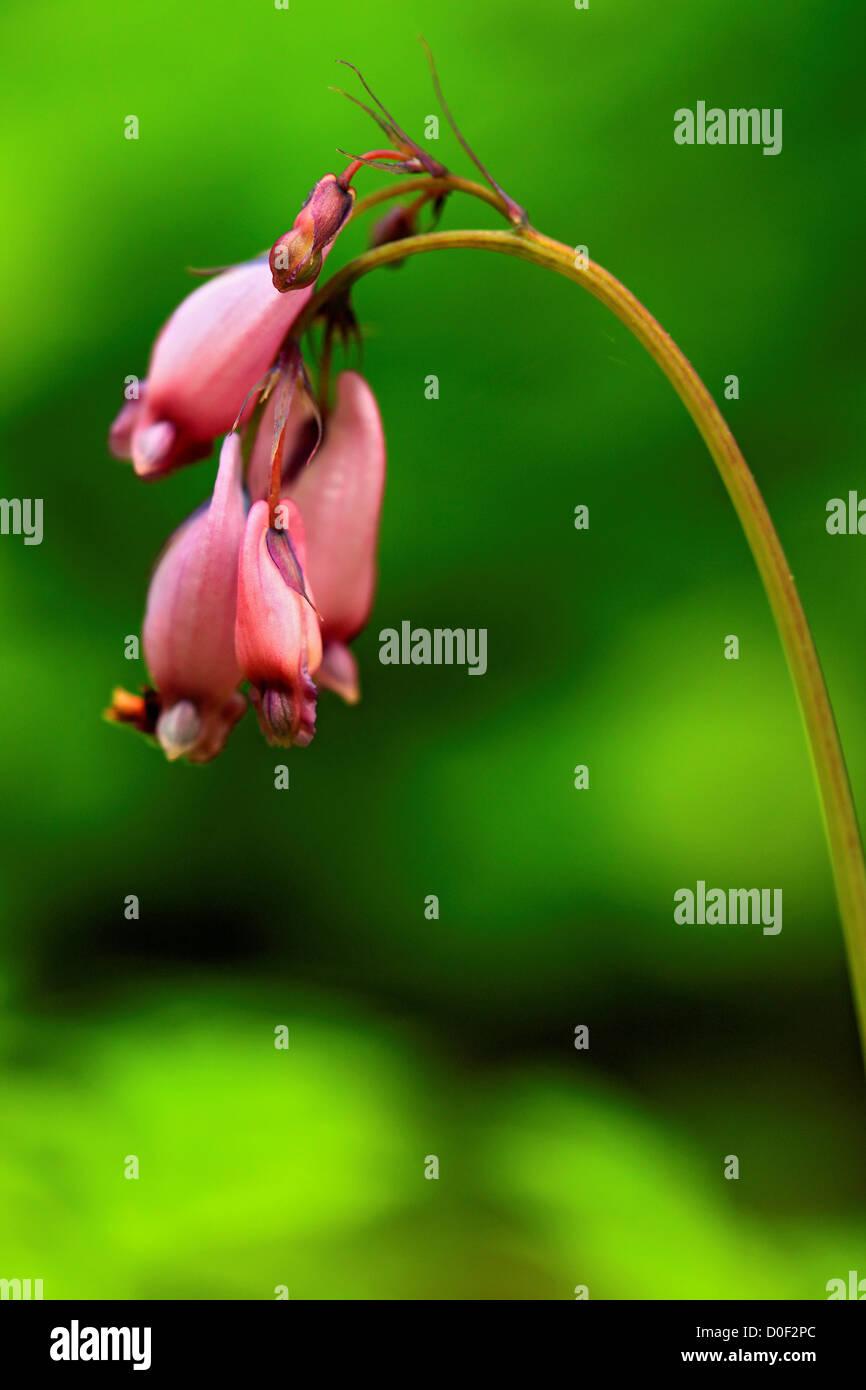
(453, 1037)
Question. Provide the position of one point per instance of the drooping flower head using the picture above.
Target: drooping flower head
(231, 598)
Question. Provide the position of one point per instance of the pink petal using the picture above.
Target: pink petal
(213, 350)
(340, 499)
(339, 672)
(185, 731)
(188, 632)
(276, 625)
(125, 423)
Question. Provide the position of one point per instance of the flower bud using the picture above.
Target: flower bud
(296, 259)
(294, 262)
(397, 224)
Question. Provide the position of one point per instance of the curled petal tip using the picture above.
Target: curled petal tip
(178, 729)
(216, 728)
(198, 732)
(288, 717)
(339, 672)
(151, 447)
(124, 425)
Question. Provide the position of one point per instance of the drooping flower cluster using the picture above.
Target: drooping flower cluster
(271, 579)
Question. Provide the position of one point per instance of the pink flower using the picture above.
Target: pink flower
(340, 499)
(188, 633)
(217, 344)
(277, 637)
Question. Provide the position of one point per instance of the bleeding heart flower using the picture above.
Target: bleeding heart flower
(277, 636)
(188, 632)
(340, 498)
(217, 344)
(339, 495)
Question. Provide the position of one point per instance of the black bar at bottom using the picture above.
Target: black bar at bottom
(83, 1338)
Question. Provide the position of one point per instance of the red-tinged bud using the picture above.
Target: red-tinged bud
(294, 262)
(277, 637)
(396, 225)
(296, 259)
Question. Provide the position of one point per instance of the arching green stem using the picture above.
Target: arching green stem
(840, 818)
(449, 183)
